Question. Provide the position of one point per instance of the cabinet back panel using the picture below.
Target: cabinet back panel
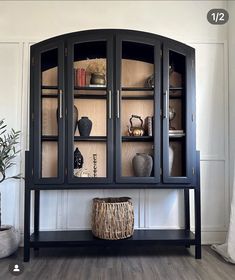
(135, 73)
(49, 159)
(95, 110)
(49, 119)
(50, 77)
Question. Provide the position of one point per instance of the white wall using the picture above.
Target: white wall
(232, 92)
(24, 23)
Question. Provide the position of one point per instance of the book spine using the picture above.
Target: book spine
(78, 77)
(83, 77)
(150, 126)
(75, 76)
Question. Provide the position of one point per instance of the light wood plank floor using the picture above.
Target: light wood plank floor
(173, 263)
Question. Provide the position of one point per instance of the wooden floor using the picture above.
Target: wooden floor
(115, 264)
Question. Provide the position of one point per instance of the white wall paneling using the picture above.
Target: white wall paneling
(186, 22)
(165, 209)
(10, 93)
(231, 36)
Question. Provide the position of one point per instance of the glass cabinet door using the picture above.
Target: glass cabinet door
(137, 110)
(48, 114)
(90, 115)
(178, 115)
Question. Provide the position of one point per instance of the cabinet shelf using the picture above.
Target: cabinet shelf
(76, 138)
(49, 138)
(91, 138)
(138, 97)
(137, 89)
(50, 95)
(82, 237)
(49, 87)
(90, 96)
(137, 138)
(90, 88)
(175, 88)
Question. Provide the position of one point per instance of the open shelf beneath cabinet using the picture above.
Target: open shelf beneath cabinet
(83, 237)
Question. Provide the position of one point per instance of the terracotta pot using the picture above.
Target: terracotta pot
(9, 241)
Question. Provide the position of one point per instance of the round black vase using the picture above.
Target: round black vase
(84, 126)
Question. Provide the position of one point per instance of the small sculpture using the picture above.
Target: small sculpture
(78, 159)
(83, 172)
(95, 165)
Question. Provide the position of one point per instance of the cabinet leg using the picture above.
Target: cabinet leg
(198, 252)
(197, 223)
(186, 212)
(27, 225)
(36, 213)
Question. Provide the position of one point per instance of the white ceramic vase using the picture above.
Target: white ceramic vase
(171, 158)
(9, 241)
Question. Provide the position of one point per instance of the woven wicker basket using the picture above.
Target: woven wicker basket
(112, 218)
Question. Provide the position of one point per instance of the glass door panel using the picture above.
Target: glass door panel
(91, 131)
(176, 110)
(48, 115)
(138, 117)
(177, 116)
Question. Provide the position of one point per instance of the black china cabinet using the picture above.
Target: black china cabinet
(103, 103)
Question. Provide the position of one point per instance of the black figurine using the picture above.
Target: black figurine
(78, 159)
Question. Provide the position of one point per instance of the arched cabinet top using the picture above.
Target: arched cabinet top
(48, 47)
(109, 32)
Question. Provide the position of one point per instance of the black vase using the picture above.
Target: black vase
(84, 126)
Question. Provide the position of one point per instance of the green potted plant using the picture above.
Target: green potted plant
(9, 237)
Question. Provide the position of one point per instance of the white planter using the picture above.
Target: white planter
(9, 241)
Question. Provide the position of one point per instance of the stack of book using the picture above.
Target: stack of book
(149, 126)
(176, 133)
(80, 77)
